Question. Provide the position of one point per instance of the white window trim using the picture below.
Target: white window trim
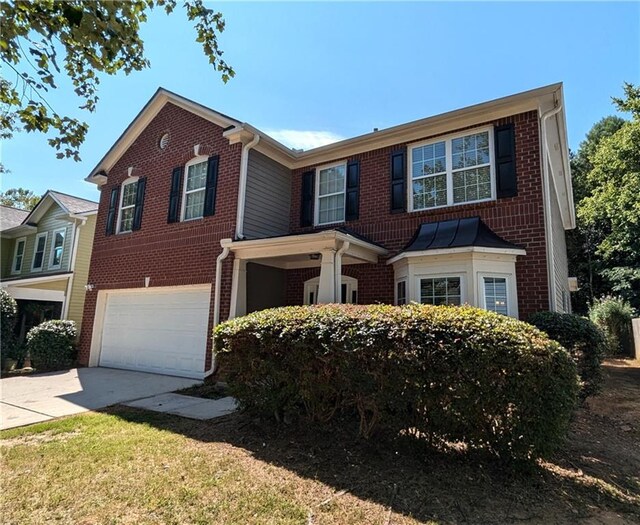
(312, 285)
(183, 205)
(15, 255)
(130, 180)
(512, 299)
(316, 204)
(449, 172)
(53, 245)
(35, 251)
(406, 291)
(453, 275)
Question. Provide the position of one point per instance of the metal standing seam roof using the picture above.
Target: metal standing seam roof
(456, 233)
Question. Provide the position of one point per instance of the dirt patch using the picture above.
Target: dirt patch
(207, 391)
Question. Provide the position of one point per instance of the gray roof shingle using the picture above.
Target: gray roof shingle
(11, 217)
(75, 204)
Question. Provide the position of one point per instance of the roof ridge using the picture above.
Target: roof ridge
(73, 196)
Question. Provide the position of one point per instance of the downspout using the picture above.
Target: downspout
(242, 188)
(546, 165)
(72, 265)
(216, 304)
(338, 271)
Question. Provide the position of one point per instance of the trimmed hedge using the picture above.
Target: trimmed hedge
(442, 374)
(584, 341)
(51, 344)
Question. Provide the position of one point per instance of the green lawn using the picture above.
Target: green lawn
(131, 466)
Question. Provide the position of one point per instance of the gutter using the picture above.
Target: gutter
(242, 188)
(216, 305)
(546, 166)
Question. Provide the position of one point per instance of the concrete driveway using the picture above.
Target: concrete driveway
(32, 399)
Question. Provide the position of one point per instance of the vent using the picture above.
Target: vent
(164, 141)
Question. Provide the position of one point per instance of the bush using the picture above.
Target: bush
(51, 344)
(613, 315)
(584, 341)
(8, 318)
(441, 374)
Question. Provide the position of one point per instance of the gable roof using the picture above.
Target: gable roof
(73, 204)
(456, 233)
(11, 217)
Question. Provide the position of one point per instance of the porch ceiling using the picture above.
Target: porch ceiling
(303, 251)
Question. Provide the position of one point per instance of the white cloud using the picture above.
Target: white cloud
(297, 139)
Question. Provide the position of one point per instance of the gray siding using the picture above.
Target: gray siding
(559, 254)
(268, 197)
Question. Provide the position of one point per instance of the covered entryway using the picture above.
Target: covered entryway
(259, 266)
(161, 330)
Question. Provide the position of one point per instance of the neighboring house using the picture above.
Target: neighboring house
(203, 218)
(45, 258)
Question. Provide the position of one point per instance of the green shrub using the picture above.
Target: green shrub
(584, 341)
(613, 315)
(441, 374)
(51, 344)
(8, 318)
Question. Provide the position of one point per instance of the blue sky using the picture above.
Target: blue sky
(310, 73)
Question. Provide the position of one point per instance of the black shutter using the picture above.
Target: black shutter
(212, 185)
(113, 211)
(306, 204)
(353, 191)
(398, 181)
(137, 211)
(174, 195)
(505, 146)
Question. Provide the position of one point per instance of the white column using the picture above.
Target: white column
(338, 271)
(327, 286)
(238, 305)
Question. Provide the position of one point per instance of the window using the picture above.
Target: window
(495, 294)
(348, 290)
(331, 181)
(401, 293)
(455, 170)
(195, 184)
(441, 290)
(18, 255)
(127, 205)
(57, 248)
(38, 253)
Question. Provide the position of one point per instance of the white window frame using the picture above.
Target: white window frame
(130, 180)
(453, 275)
(53, 246)
(183, 205)
(512, 299)
(22, 240)
(35, 251)
(447, 139)
(313, 285)
(316, 204)
(406, 292)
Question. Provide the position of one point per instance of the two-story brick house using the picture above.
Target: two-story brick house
(203, 217)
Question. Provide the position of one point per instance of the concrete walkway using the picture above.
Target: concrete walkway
(187, 406)
(35, 398)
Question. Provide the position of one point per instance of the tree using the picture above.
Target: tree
(42, 42)
(19, 198)
(611, 208)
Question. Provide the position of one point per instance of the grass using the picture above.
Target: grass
(132, 466)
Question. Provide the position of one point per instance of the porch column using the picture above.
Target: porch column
(238, 305)
(327, 285)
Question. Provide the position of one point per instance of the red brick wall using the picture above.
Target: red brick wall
(519, 220)
(182, 253)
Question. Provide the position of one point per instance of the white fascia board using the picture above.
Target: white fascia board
(142, 120)
(35, 280)
(18, 231)
(453, 251)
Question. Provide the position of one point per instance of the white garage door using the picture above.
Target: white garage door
(160, 331)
